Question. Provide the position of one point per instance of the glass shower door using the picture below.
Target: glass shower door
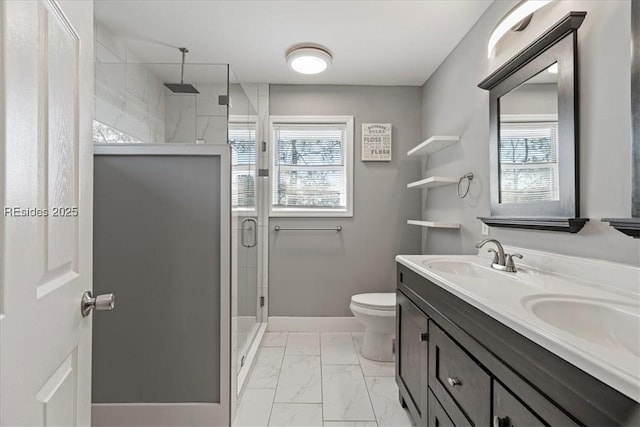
(245, 231)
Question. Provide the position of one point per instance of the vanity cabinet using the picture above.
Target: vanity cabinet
(461, 385)
(479, 372)
(412, 332)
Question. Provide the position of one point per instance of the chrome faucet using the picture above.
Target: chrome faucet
(501, 261)
(498, 259)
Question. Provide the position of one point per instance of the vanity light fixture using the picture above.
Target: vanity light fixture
(521, 12)
(309, 59)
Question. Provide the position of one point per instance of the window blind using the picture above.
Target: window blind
(529, 162)
(309, 166)
(242, 138)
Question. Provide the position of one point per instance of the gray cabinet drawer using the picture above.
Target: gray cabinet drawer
(437, 415)
(508, 411)
(536, 411)
(457, 380)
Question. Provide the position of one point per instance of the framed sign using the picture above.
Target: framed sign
(376, 142)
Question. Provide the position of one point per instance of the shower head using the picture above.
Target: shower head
(182, 87)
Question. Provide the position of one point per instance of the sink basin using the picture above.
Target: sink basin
(459, 268)
(609, 324)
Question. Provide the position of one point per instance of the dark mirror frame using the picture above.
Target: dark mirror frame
(558, 44)
(631, 226)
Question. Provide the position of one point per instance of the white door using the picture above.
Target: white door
(46, 93)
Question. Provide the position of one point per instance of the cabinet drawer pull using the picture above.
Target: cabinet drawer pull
(424, 336)
(501, 422)
(454, 381)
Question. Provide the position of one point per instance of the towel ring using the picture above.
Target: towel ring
(468, 176)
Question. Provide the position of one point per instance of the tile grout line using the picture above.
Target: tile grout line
(365, 381)
(273, 401)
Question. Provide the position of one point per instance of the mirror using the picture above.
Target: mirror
(631, 226)
(528, 141)
(533, 115)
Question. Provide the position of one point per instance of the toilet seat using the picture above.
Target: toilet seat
(375, 301)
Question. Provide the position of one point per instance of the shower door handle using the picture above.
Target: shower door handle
(254, 228)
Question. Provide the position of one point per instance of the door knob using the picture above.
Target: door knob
(104, 302)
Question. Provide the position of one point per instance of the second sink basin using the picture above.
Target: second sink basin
(609, 324)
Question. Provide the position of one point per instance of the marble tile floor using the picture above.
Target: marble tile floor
(319, 379)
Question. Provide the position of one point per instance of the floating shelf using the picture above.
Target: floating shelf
(432, 144)
(570, 225)
(628, 226)
(433, 224)
(432, 182)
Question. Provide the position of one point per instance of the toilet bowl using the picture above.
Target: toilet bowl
(377, 311)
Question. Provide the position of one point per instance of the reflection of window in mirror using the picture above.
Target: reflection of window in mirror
(528, 142)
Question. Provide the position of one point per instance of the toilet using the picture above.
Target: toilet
(377, 311)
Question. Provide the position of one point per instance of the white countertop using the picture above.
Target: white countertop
(507, 297)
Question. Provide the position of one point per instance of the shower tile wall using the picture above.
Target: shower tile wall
(129, 97)
(180, 118)
(191, 117)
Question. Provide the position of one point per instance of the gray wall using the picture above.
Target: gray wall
(453, 104)
(157, 247)
(316, 273)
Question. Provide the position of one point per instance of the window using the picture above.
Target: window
(242, 138)
(529, 161)
(312, 166)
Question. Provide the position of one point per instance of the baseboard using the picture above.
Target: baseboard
(159, 414)
(314, 324)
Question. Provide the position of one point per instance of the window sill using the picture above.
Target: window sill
(310, 213)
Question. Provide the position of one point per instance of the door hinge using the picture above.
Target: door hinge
(261, 301)
(263, 172)
(224, 100)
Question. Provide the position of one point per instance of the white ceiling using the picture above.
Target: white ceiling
(373, 42)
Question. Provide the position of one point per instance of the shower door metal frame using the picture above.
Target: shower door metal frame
(185, 414)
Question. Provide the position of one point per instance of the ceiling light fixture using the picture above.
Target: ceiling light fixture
(519, 13)
(308, 59)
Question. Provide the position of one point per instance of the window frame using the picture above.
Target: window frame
(254, 120)
(295, 212)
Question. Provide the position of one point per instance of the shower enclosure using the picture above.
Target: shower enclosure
(177, 339)
(242, 136)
